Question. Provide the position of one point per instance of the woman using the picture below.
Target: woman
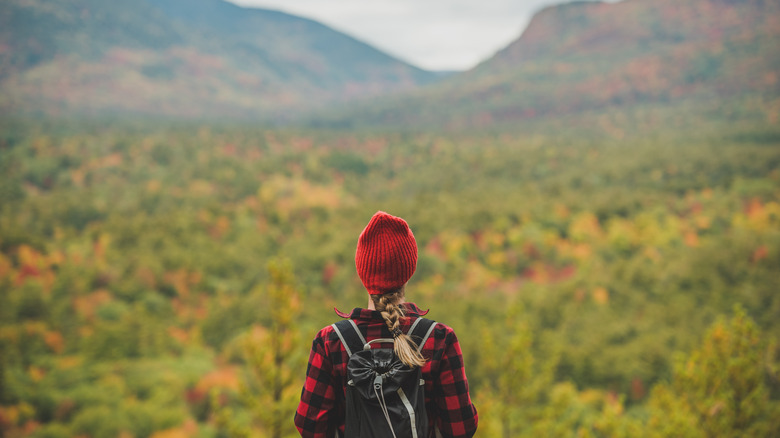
(386, 259)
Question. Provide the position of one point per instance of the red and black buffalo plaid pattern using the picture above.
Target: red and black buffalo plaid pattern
(447, 400)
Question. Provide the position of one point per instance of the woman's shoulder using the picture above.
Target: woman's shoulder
(325, 332)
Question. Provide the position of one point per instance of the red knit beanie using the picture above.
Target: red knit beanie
(386, 255)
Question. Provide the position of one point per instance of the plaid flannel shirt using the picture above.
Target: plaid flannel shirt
(447, 401)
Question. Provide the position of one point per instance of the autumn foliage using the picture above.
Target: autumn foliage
(165, 280)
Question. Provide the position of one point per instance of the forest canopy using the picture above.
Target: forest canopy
(165, 280)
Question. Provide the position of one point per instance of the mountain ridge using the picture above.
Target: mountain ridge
(591, 56)
(211, 59)
(202, 58)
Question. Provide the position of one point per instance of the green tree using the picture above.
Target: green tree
(515, 377)
(720, 389)
(274, 358)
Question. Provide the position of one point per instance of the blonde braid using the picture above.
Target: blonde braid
(387, 305)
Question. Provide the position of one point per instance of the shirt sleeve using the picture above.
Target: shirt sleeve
(456, 414)
(318, 397)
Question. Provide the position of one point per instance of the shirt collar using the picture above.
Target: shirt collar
(368, 314)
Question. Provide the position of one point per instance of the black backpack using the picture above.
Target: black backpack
(385, 397)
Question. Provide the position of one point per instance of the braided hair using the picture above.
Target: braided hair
(388, 305)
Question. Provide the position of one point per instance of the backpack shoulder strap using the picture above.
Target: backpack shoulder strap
(350, 336)
(420, 331)
(353, 340)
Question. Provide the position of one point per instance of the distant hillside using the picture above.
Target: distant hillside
(588, 56)
(197, 58)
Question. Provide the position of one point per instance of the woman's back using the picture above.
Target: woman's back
(446, 387)
(386, 258)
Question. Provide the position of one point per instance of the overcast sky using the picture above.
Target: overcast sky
(432, 34)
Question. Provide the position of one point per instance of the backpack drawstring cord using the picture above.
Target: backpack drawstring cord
(380, 396)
